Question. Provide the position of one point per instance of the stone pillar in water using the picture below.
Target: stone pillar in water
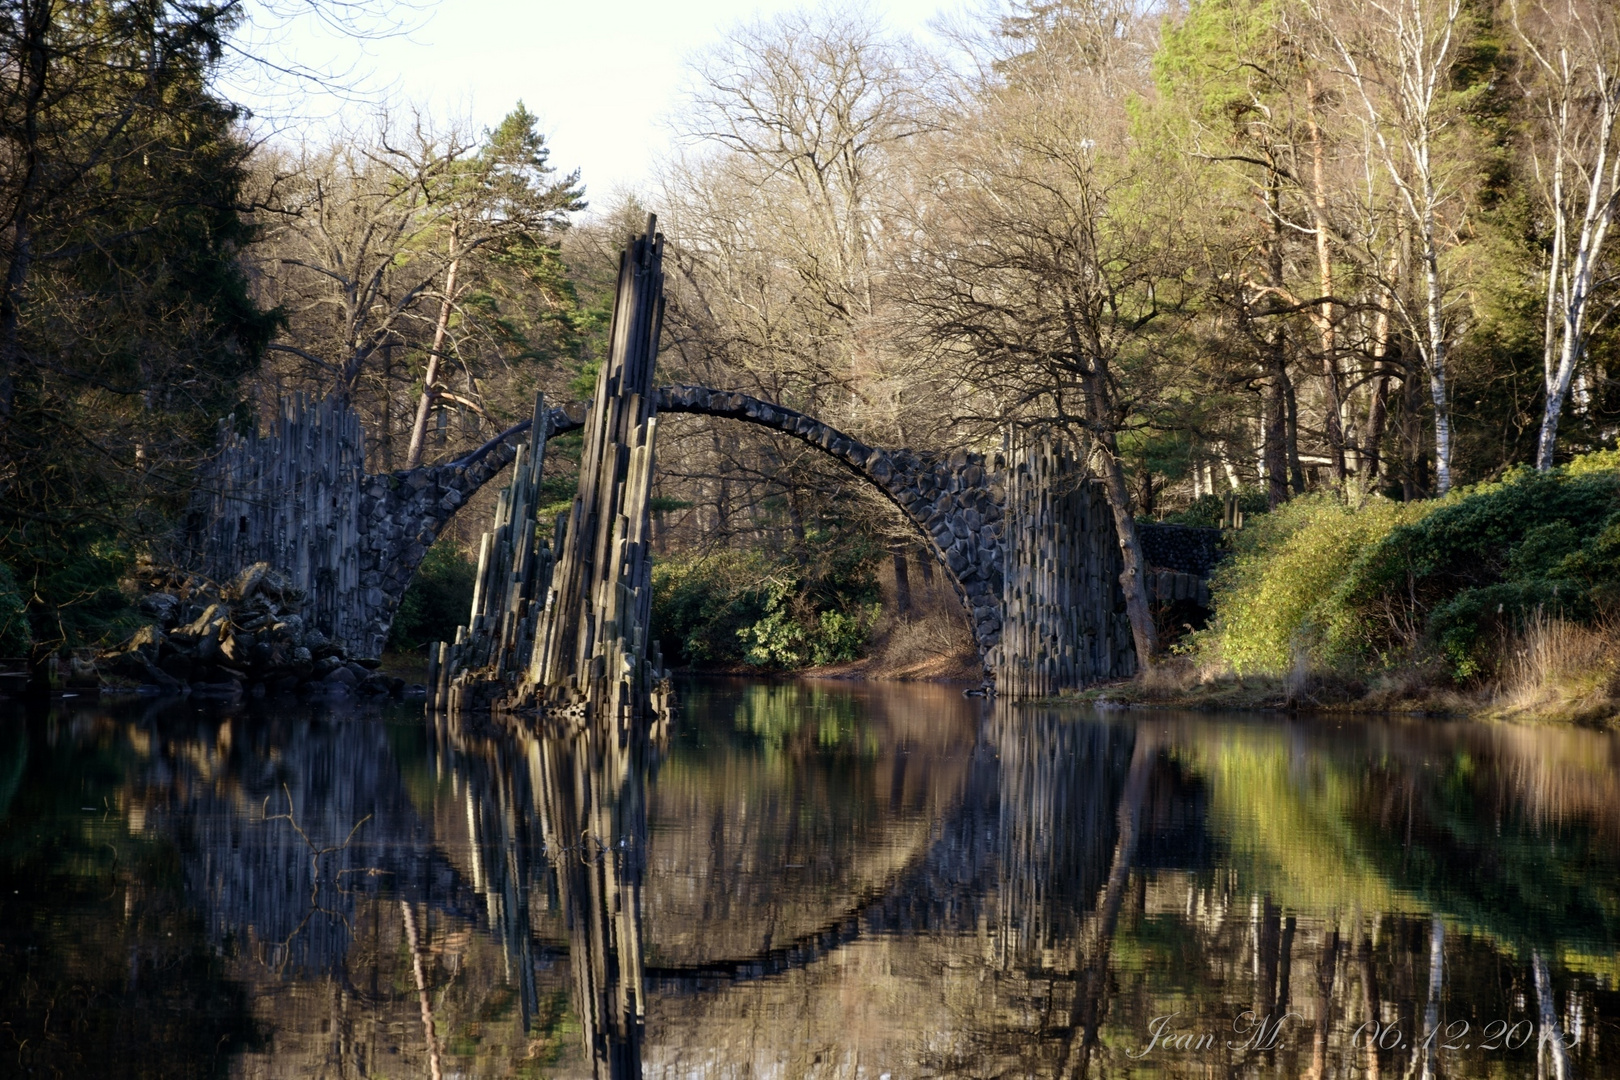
(1063, 622)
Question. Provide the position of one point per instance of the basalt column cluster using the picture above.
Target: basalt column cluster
(1063, 621)
(491, 653)
(586, 653)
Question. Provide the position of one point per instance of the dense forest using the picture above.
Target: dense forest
(1347, 256)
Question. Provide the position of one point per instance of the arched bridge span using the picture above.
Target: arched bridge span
(299, 497)
(952, 499)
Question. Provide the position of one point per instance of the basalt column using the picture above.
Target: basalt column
(591, 646)
(293, 498)
(1063, 625)
(492, 652)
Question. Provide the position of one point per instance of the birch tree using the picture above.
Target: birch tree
(1571, 83)
(1397, 58)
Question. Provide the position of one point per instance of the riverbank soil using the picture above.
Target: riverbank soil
(1555, 672)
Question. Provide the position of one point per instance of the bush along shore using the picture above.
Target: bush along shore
(1500, 600)
(248, 637)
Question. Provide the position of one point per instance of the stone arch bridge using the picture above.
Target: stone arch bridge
(299, 497)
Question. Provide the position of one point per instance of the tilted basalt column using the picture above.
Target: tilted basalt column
(591, 646)
(492, 651)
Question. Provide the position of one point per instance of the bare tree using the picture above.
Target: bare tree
(368, 244)
(1571, 82)
(1049, 256)
(794, 144)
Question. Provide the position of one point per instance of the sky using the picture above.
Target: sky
(602, 75)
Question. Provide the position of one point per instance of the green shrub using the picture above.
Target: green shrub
(15, 637)
(792, 634)
(75, 585)
(1386, 583)
(731, 607)
(1276, 595)
(1485, 558)
(701, 604)
(438, 600)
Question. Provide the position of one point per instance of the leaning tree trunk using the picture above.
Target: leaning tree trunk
(1133, 567)
(424, 405)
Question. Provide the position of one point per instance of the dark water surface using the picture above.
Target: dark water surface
(805, 880)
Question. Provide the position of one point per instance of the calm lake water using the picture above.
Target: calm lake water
(805, 880)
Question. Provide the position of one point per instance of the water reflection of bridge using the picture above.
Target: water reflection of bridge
(776, 845)
(544, 844)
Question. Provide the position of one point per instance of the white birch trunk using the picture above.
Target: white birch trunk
(1575, 55)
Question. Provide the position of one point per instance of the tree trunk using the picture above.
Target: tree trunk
(1296, 471)
(1133, 568)
(36, 26)
(1414, 474)
(1569, 274)
(1437, 360)
(413, 457)
(801, 543)
(1276, 437)
(1378, 408)
(1572, 337)
(388, 407)
(1324, 319)
(902, 582)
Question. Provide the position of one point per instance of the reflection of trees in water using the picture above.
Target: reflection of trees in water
(313, 851)
(105, 969)
(785, 812)
(1022, 905)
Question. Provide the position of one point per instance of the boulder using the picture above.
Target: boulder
(246, 635)
(338, 681)
(162, 606)
(203, 625)
(148, 641)
(247, 582)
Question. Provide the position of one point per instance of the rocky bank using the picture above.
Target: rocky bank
(246, 638)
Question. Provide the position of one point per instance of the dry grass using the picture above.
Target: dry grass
(932, 644)
(915, 640)
(1557, 670)
(1553, 672)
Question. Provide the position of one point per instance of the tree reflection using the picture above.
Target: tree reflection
(812, 881)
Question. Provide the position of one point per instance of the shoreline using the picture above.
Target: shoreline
(1227, 694)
